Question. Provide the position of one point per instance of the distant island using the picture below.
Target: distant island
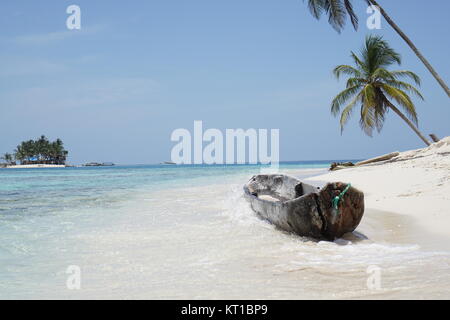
(37, 153)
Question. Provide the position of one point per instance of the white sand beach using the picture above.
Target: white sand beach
(30, 166)
(416, 184)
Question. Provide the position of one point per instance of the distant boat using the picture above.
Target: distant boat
(97, 164)
(168, 162)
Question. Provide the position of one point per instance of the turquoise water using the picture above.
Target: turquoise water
(185, 232)
(44, 212)
(35, 192)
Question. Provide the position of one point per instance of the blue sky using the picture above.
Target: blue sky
(117, 88)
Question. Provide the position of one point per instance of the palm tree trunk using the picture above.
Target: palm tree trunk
(410, 124)
(412, 46)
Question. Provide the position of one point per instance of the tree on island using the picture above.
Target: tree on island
(337, 11)
(373, 87)
(8, 158)
(41, 151)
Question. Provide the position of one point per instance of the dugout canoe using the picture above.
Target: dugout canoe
(300, 208)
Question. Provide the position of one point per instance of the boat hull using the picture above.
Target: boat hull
(303, 209)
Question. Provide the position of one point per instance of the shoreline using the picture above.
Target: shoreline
(30, 166)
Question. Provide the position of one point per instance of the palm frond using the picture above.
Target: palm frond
(381, 74)
(406, 74)
(337, 11)
(336, 14)
(406, 87)
(347, 111)
(347, 70)
(343, 97)
(359, 63)
(351, 13)
(351, 82)
(377, 53)
(373, 110)
(316, 7)
(369, 95)
(403, 100)
(367, 119)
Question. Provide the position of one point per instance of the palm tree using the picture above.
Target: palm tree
(57, 153)
(41, 151)
(19, 154)
(30, 150)
(372, 87)
(338, 10)
(7, 157)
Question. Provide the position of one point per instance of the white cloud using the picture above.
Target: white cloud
(49, 37)
(93, 93)
(28, 66)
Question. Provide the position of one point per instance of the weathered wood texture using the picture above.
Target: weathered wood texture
(304, 209)
(378, 159)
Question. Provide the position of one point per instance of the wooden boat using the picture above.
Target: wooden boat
(303, 209)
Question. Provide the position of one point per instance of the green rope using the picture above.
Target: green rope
(335, 200)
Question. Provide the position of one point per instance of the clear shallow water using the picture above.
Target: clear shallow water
(186, 232)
